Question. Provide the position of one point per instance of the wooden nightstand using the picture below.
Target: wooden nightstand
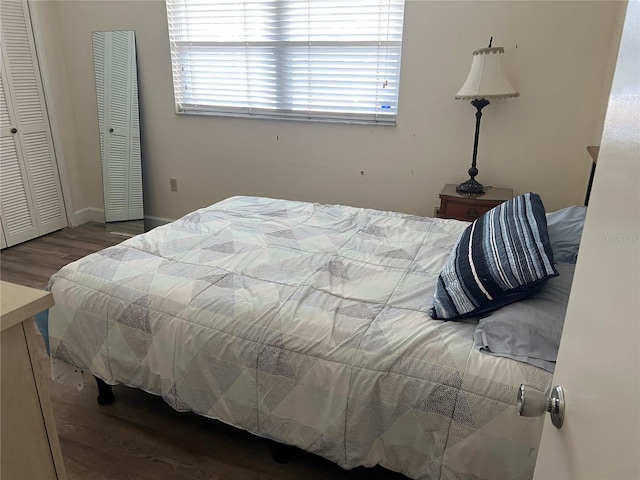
(467, 206)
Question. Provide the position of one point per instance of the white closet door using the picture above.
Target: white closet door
(136, 206)
(117, 159)
(3, 241)
(16, 208)
(99, 59)
(32, 146)
(120, 136)
(101, 66)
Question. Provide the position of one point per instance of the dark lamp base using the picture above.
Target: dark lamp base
(471, 186)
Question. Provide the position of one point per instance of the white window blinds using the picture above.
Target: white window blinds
(334, 60)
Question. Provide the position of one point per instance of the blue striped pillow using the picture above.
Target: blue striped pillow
(503, 256)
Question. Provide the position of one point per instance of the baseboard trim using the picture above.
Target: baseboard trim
(80, 217)
(85, 215)
(152, 222)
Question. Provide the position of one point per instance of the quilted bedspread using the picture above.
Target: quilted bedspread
(307, 324)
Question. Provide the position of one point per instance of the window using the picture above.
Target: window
(334, 60)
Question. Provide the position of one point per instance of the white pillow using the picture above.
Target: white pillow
(565, 231)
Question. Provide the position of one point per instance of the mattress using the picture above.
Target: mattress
(307, 324)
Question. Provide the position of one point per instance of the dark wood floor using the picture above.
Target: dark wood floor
(141, 437)
(32, 263)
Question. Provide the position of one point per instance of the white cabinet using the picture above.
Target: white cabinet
(114, 55)
(31, 202)
(29, 444)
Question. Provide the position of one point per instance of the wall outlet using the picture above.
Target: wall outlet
(173, 183)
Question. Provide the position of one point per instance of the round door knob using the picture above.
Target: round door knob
(14, 130)
(111, 130)
(533, 403)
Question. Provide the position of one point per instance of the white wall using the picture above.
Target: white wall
(558, 54)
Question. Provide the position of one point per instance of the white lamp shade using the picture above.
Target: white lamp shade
(486, 78)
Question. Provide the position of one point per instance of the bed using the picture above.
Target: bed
(311, 325)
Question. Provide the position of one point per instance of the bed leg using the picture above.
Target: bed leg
(105, 392)
(281, 453)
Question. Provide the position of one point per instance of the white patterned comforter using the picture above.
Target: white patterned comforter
(307, 324)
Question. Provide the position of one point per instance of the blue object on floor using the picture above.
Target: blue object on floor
(42, 321)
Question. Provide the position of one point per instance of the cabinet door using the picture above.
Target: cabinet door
(26, 453)
(27, 116)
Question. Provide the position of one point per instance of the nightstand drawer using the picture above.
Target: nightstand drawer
(466, 207)
(464, 211)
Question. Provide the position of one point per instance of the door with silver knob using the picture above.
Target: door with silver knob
(533, 403)
(31, 202)
(600, 349)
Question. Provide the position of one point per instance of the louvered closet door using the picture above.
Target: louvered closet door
(120, 134)
(31, 193)
(136, 207)
(99, 58)
(17, 211)
(3, 241)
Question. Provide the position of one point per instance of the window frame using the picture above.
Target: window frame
(183, 51)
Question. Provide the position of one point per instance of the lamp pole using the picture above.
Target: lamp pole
(472, 185)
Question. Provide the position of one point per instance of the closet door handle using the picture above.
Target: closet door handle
(14, 130)
(111, 130)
